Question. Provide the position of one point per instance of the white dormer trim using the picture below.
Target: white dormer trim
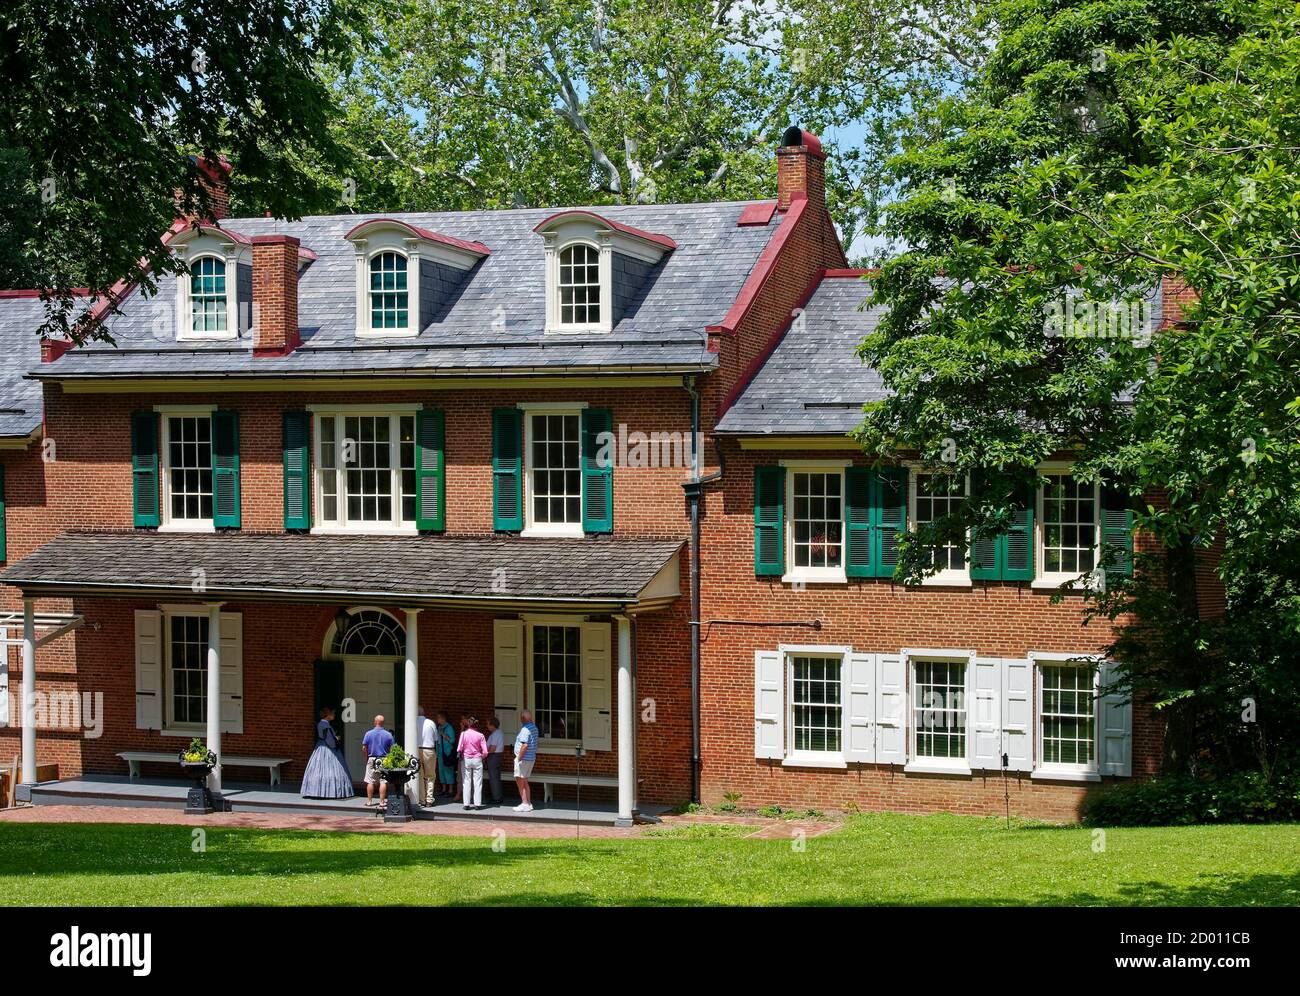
(192, 245)
(569, 228)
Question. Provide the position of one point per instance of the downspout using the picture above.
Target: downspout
(694, 489)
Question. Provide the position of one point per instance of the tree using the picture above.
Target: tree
(1105, 146)
(107, 102)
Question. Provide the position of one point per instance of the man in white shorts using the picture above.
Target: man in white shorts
(525, 755)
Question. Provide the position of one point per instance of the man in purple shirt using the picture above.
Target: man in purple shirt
(374, 747)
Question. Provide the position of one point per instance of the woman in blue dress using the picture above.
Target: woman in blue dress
(327, 774)
(446, 755)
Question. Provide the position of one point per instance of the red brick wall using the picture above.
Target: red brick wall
(994, 619)
(275, 294)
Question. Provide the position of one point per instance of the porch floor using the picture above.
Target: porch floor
(246, 797)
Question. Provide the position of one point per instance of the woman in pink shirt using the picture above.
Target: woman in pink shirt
(472, 749)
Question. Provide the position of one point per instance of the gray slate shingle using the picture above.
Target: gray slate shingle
(239, 564)
(20, 399)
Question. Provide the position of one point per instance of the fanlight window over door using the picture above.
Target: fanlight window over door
(369, 633)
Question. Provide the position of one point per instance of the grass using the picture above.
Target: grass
(878, 858)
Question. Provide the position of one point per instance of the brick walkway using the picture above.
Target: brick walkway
(442, 827)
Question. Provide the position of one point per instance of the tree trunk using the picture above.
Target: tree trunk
(1187, 664)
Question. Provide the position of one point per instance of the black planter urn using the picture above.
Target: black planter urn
(397, 808)
(199, 802)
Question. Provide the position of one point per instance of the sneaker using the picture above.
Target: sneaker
(524, 808)
(519, 808)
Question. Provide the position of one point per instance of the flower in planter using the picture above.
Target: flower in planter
(397, 759)
(198, 753)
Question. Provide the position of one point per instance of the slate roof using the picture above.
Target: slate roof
(495, 321)
(20, 400)
(814, 383)
(290, 567)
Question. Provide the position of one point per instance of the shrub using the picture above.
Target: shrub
(1244, 797)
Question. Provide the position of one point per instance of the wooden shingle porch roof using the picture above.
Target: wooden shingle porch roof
(593, 574)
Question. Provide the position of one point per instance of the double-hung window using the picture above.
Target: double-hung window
(187, 670)
(579, 286)
(816, 697)
(553, 498)
(939, 718)
(208, 309)
(936, 495)
(1067, 710)
(1068, 536)
(365, 470)
(187, 469)
(557, 682)
(389, 295)
(815, 524)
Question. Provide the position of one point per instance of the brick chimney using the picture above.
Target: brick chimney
(213, 178)
(275, 295)
(1176, 298)
(800, 167)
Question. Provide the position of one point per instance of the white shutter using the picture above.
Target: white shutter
(4, 676)
(986, 716)
(1116, 722)
(861, 685)
(769, 704)
(232, 672)
(891, 709)
(148, 669)
(1018, 736)
(596, 666)
(508, 673)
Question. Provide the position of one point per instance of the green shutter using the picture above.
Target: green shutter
(597, 476)
(430, 478)
(859, 482)
(507, 470)
(225, 470)
(889, 519)
(144, 468)
(1017, 553)
(296, 443)
(769, 521)
(1116, 532)
(4, 531)
(328, 677)
(983, 549)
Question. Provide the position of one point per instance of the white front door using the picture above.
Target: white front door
(370, 684)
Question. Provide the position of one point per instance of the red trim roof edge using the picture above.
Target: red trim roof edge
(478, 248)
(763, 269)
(660, 240)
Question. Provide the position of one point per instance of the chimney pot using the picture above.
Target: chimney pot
(800, 167)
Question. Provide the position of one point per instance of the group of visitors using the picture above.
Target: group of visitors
(441, 753)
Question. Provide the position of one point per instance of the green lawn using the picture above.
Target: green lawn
(888, 859)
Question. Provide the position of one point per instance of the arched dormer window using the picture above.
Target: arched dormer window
(389, 293)
(594, 268)
(579, 285)
(208, 311)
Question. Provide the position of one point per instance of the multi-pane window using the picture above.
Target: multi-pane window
(187, 660)
(554, 469)
(937, 496)
(1069, 525)
(557, 682)
(189, 467)
(939, 709)
(1069, 714)
(365, 468)
(208, 294)
(817, 716)
(388, 292)
(579, 285)
(817, 519)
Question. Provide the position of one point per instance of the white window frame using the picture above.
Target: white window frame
(396, 525)
(949, 577)
(939, 765)
(206, 244)
(165, 415)
(376, 244)
(815, 575)
(1057, 771)
(169, 724)
(814, 759)
(531, 526)
(550, 745)
(1055, 579)
(604, 285)
(412, 299)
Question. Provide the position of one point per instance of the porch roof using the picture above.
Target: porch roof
(593, 573)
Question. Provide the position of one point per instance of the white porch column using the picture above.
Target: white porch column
(626, 726)
(29, 691)
(214, 693)
(411, 698)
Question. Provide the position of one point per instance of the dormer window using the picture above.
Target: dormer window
(389, 298)
(579, 285)
(595, 269)
(208, 313)
(406, 274)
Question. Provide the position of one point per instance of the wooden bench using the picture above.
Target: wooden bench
(134, 757)
(599, 781)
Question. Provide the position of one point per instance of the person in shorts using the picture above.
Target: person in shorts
(525, 755)
(375, 746)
